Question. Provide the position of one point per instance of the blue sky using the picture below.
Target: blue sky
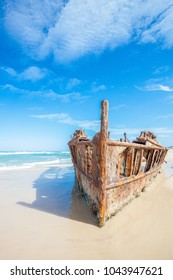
(59, 59)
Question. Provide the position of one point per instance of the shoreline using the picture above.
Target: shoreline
(43, 217)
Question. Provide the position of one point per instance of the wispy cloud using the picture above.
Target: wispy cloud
(73, 83)
(96, 87)
(161, 70)
(32, 73)
(162, 117)
(155, 87)
(118, 107)
(9, 70)
(163, 135)
(35, 108)
(120, 131)
(161, 84)
(33, 21)
(136, 131)
(50, 94)
(161, 28)
(67, 119)
(71, 29)
(163, 130)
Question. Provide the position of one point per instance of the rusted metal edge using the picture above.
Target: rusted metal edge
(87, 143)
(137, 177)
(122, 144)
(103, 160)
(155, 144)
(132, 145)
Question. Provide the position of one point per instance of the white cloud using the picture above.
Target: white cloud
(120, 131)
(33, 73)
(35, 108)
(136, 131)
(162, 84)
(50, 94)
(161, 69)
(168, 116)
(73, 83)
(76, 96)
(89, 27)
(118, 107)
(30, 21)
(156, 87)
(163, 136)
(9, 70)
(67, 119)
(96, 88)
(161, 28)
(9, 87)
(162, 130)
(71, 29)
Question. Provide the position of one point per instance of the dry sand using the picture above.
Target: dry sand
(41, 217)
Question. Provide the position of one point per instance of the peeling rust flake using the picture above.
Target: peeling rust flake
(111, 173)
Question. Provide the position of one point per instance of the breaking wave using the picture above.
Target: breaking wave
(24, 160)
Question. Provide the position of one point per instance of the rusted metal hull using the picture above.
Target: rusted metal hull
(111, 173)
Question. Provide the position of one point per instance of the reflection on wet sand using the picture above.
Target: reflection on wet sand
(56, 193)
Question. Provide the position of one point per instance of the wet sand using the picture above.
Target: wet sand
(43, 217)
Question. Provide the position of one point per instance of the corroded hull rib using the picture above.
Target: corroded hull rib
(111, 173)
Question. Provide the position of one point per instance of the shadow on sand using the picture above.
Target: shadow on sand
(57, 193)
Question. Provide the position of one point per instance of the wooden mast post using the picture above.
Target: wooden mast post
(103, 160)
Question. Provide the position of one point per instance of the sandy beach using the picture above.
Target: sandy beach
(43, 217)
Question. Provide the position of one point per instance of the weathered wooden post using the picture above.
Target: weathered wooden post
(103, 160)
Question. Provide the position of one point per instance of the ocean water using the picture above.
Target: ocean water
(23, 160)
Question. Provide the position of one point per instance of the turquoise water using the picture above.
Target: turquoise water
(21, 160)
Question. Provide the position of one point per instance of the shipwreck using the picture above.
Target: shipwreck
(110, 173)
